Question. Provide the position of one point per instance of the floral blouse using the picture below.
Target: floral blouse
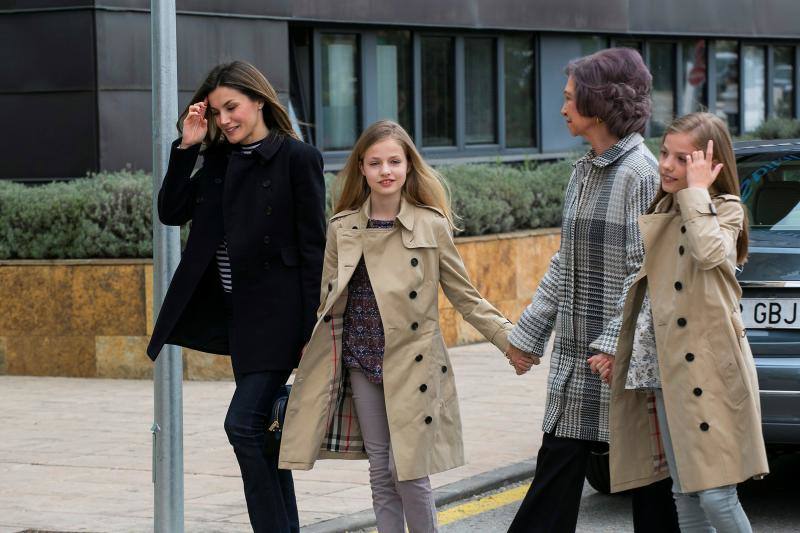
(643, 370)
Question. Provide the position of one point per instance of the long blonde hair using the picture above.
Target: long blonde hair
(423, 186)
(248, 80)
(702, 127)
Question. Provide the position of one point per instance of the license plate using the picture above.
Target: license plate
(771, 313)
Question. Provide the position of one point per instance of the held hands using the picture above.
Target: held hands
(520, 360)
(700, 168)
(602, 364)
(195, 125)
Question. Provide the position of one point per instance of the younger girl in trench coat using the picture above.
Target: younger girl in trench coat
(683, 349)
(375, 379)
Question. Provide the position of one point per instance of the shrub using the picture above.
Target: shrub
(109, 214)
(778, 128)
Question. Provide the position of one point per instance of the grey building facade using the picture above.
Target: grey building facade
(470, 79)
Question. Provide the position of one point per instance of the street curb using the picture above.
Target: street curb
(442, 496)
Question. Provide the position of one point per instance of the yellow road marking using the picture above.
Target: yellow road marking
(483, 505)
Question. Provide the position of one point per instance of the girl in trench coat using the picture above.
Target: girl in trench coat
(248, 281)
(684, 399)
(375, 379)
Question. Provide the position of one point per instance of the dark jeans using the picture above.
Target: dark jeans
(269, 491)
(554, 499)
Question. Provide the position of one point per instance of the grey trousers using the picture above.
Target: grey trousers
(391, 499)
(707, 511)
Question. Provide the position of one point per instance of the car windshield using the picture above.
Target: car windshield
(770, 185)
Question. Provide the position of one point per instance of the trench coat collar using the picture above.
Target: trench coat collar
(620, 148)
(270, 146)
(405, 217)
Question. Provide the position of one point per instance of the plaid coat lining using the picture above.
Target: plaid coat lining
(582, 293)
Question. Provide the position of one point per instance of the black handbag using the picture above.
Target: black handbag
(275, 421)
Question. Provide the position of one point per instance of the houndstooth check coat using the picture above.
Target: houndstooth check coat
(583, 291)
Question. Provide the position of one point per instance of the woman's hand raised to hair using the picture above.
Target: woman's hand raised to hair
(700, 169)
(195, 125)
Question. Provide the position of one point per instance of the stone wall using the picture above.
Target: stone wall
(91, 318)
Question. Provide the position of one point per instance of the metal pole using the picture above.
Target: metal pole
(168, 381)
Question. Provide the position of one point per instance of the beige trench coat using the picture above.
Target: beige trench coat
(405, 267)
(707, 371)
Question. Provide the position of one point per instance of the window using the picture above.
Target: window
(726, 61)
(438, 91)
(480, 72)
(519, 95)
(629, 43)
(662, 66)
(694, 79)
(393, 78)
(340, 94)
(783, 81)
(754, 73)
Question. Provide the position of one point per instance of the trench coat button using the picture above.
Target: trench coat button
(444, 369)
(681, 249)
(266, 239)
(414, 261)
(418, 358)
(330, 287)
(681, 322)
(704, 427)
(326, 318)
(423, 388)
(414, 326)
(217, 180)
(690, 357)
(697, 391)
(678, 285)
(412, 294)
(355, 227)
(268, 210)
(266, 184)
(428, 420)
(683, 229)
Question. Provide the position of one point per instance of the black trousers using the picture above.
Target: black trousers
(552, 503)
(269, 491)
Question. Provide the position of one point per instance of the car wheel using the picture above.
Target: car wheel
(598, 473)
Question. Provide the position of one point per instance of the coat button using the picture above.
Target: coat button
(355, 227)
(697, 391)
(266, 265)
(418, 358)
(681, 322)
(423, 388)
(681, 249)
(444, 369)
(414, 262)
(268, 210)
(217, 180)
(683, 229)
(412, 294)
(704, 427)
(428, 420)
(690, 357)
(266, 184)
(266, 239)
(330, 287)
(326, 318)
(678, 285)
(414, 326)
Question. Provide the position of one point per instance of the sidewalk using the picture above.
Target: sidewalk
(75, 454)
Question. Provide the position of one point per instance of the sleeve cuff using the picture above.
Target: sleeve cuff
(604, 344)
(526, 342)
(695, 202)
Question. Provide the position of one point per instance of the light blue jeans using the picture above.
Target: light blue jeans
(706, 511)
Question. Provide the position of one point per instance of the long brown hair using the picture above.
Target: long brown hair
(248, 80)
(423, 186)
(702, 127)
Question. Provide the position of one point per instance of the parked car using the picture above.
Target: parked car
(769, 174)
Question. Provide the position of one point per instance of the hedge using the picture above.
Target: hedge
(109, 215)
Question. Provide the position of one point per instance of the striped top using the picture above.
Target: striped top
(223, 259)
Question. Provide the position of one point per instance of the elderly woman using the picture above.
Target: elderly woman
(607, 102)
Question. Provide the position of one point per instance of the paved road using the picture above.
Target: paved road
(773, 506)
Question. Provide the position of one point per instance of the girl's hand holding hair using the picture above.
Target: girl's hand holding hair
(195, 125)
(700, 169)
